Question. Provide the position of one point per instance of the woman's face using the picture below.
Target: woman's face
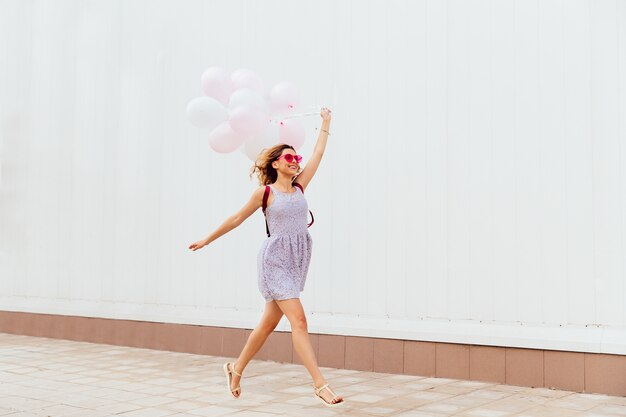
(287, 168)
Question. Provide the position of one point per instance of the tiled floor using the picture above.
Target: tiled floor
(58, 378)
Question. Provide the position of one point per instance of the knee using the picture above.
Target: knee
(298, 323)
(268, 327)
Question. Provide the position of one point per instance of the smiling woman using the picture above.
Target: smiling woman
(284, 258)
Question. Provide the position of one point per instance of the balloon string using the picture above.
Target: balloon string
(291, 116)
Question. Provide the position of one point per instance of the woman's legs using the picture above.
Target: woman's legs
(270, 319)
(292, 308)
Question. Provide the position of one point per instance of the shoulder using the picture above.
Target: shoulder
(298, 185)
(258, 193)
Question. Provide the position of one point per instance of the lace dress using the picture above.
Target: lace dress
(284, 258)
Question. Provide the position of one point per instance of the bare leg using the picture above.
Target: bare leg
(292, 308)
(269, 321)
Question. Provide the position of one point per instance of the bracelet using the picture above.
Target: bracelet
(324, 130)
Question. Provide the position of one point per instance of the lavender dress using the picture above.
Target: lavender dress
(284, 258)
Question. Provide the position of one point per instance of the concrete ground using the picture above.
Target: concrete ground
(59, 378)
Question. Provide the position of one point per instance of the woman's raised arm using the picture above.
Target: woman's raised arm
(311, 167)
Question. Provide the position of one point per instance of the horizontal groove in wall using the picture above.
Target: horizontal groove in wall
(571, 338)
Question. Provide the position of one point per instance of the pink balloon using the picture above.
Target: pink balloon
(284, 96)
(224, 139)
(248, 120)
(291, 132)
(245, 78)
(217, 84)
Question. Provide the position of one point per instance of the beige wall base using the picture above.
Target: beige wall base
(571, 371)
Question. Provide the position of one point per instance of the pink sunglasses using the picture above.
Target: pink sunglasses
(289, 158)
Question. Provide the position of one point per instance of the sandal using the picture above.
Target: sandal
(229, 374)
(327, 404)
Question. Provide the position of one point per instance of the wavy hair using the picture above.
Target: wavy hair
(263, 165)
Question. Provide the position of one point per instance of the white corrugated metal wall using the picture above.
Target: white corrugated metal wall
(473, 188)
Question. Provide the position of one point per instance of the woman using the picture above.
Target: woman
(284, 257)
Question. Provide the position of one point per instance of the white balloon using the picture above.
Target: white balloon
(253, 146)
(245, 96)
(216, 83)
(245, 78)
(224, 139)
(206, 112)
(248, 120)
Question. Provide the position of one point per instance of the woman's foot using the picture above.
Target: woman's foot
(233, 378)
(327, 395)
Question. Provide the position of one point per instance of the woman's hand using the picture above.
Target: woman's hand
(198, 245)
(325, 113)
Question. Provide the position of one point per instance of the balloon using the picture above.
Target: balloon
(224, 139)
(291, 132)
(217, 84)
(284, 96)
(206, 112)
(253, 146)
(245, 96)
(247, 120)
(245, 78)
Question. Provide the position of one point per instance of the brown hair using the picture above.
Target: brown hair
(263, 165)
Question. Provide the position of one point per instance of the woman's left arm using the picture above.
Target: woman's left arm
(311, 167)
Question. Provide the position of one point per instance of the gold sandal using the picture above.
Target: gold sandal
(331, 403)
(229, 375)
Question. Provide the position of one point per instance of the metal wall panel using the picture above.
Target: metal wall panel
(474, 173)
